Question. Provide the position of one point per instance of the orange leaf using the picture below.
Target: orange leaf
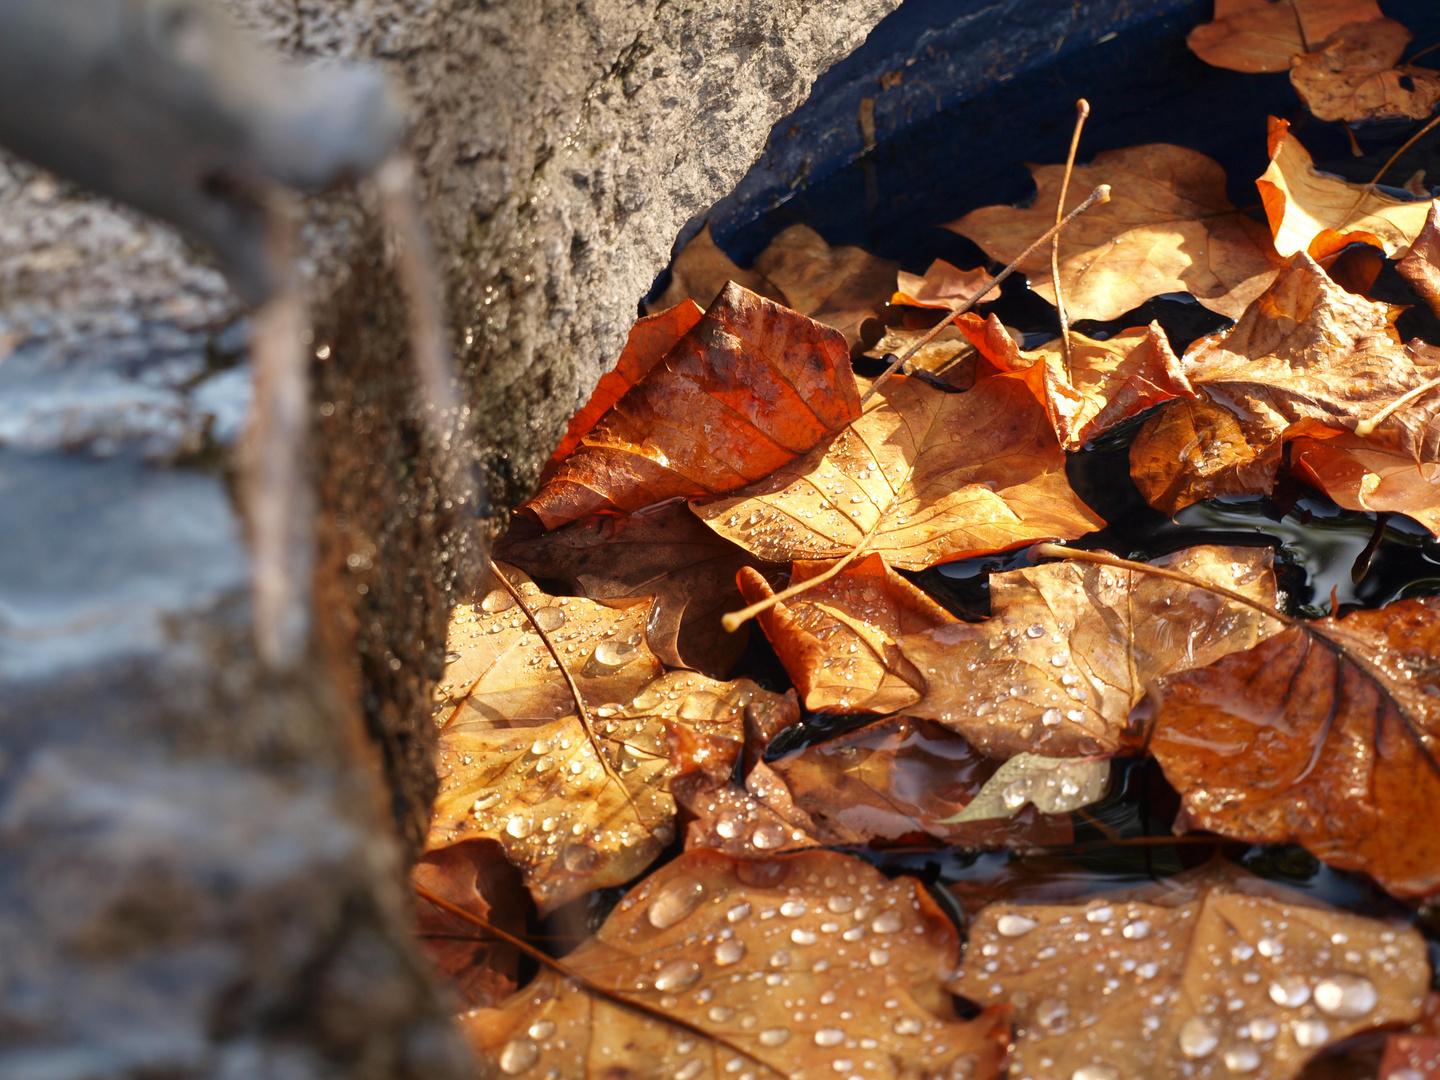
(840, 287)
(749, 388)
(1354, 76)
(1410, 1057)
(699, 272)
(1360, 475)
(943, 286)
(1262, 35)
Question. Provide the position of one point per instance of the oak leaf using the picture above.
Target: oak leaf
(1421, 266)
(838, 641)
(1324, 735)
(1216, 973)
(840, 287)
(1168, 227)
(699, 272)
(923, 477)
(1262, 35)
(749, 388)
(1072, 647)
(942, 286)
(1301, 202)
(1360, 475)
(730, 947)
(1355, 75)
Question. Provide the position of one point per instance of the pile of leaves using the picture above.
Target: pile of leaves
(593, 744)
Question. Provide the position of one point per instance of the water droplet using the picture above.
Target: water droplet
(690, 1070)
(1198, 1037)
(1242, 952)
(739, 911)
(887, 922)
(1051, 1014)
(672, 903)
(727, 828)
(721, 1014)
(1242, 1059)
(540, 747)
(1290, 990)
(1015, 795)
(451, 657)
(829, 1037)
(1060, 659)
(1269, 947)
(677, 975)
(774, 1036)
(793, 909)
(611, 654)
(909, 1025)
(497, 600)
(518, 1055)
(1012, 925)
(840, 903)
(1051, 717)
(1136, 930)
(579, 859)
(549, 618)
(768, 836)
(1262, 1029)
(1096, 1072)
(1147, 971)
(879, 957)
(729, 952)
(1345, 996)
(519, 827)
(542, 1029)
(801, 936)
(1311, 1032)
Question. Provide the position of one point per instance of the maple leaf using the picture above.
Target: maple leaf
(838, 641)
(1107, 383)
(1359, 475)
(942, 286)
(1211, 971)
(1072, 647)
(1167, 227)
(1262, 35)
(1421, 266)
(729, 947)
(1353, 76)
(668, 554)
(749, 388)
(699, 272)
(1301, 202)
(1323, 735)
(922, 477)
(840, 287)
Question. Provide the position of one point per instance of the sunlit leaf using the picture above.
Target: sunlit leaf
(1359, 475)
(1052, 785)
(1262, 35)
(948, 354)
(1355, 75)
(700, 270)
(942, 286)
(1421, 267)
(840, 287)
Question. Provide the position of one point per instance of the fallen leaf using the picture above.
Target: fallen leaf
(1243, 978)
(840, 287)
(1072, 647)
(1194, 450)
(948, 354)
(942, 286)
(650, 339)
(1262, 35)
(668, 554)
(838, 641)
(1359, 475)
(732, 947)
(699, 272)
(749, 388)
(1421, 266)
(1301, 202)
(1410, 1057)
(1168, 227)
(1107, 383)
(1323, 735)
(923, 477)
(1354, 75)
(1051, 785)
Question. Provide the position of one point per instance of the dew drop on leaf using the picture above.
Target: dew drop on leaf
(677, 899)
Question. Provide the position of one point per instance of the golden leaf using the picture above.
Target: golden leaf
(840, 287)
(1354, 76)
(942, 286)
(1262, 35)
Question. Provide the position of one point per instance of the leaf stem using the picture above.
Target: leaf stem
(1082, 110)
(1365, 427)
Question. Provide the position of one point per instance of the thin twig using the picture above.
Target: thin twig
(1396, 156)
(1082, 110)
(1365, 427)
(1099, 195)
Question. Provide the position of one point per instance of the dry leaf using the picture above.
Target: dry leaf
(923, 477)
(1262, 35)
(1353, 76)
(943, 286)
(1301, 202)
(1359, 475)
(1108, 381)
(1410, 1057)
(948, 354)
(700, 271)
(840, 287)
(669, 554)
(749, 388)
(1071, 648)
(838, 641)
(1324, 735)
(733, 947)
(1246, 978)
(1168, 227)
(1421, 267)
(650, 339)
(1051, 785)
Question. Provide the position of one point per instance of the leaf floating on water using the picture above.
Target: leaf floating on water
(1263, 35)
(731, 947)
(840, 287)
(943, 286)
(1355, 75)
(1421, 267)
(1243, 978)
(1359, 475)
(701, 270)
(1053, 785)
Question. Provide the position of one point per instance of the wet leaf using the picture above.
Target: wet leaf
(1324, 735)
(1301, 202)
(732, 947)
(700, 271)
(1216, 974)
(1355, 75)
(749, 388)
(924, 476)
(1410, 1057)
(1262, 35)
(1359, 475)
(949, 354)
(1421, 267)
(942, 286)
(1052, 785)
(1108, 381)
(840, 287)
(668, 554)
(1071, 648)
(1168, 227)
(838, 641)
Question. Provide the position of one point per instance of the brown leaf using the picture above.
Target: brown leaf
(1353, 76)
(924, 476)
(1301, 202)
(1262, 35)
(700, 271)
(1108, 381)
(668, 554)
(838, 641)
(474, 876)
(1194, 450)
(943, 286)
(1410, 1057)
(1246, 978)
(749, 388)
(949, 354)
(840, 287)
(1071, 648)
(1168, 227)
(1421, 267)
(1359, 475)
(1324, 735)
(733, 947)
